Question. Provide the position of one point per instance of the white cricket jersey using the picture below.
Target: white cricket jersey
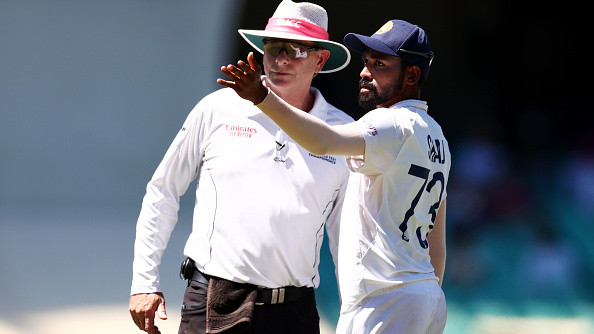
(261, 200)
(391, 201)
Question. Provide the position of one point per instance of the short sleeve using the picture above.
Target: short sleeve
(384, 135)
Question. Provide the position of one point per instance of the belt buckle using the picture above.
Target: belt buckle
(277, 296)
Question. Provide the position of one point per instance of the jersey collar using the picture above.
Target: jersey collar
(417, 104)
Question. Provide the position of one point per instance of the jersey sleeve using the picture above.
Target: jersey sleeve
(160, 205)
(384, 135)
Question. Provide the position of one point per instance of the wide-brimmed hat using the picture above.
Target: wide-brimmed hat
(397, 38)
(301, 21)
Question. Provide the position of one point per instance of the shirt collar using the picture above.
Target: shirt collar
(320, 107)
(417, 104)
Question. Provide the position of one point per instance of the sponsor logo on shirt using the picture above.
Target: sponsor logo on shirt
(279, 146)
(328, 158)
(371, 127)
(240, 131)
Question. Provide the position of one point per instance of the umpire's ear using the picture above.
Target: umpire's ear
(324, 55)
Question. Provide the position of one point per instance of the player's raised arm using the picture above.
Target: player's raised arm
(310, 132)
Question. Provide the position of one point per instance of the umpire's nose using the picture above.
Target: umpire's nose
(282, 58)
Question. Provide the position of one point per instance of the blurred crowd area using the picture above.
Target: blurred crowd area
(519, 225)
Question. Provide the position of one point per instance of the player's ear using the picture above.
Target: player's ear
(412, 75)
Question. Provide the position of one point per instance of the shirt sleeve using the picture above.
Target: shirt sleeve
(160, 205)
(384, 136)
(333, 222)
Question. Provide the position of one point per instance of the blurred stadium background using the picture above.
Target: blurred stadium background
(92, 93)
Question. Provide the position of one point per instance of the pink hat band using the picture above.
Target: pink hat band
(297, 27)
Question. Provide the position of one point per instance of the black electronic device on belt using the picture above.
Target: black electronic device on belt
(188, 267)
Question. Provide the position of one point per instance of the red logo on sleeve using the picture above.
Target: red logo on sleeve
(371, 127)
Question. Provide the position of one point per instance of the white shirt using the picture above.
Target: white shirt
(261, 200)
(391, 201)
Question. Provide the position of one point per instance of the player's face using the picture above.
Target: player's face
(382, 82)
(285, 71)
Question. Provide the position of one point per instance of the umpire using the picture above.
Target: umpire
(262, 201)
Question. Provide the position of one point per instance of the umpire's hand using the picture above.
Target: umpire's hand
(143, 307)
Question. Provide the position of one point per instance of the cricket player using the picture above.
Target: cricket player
(392, 249)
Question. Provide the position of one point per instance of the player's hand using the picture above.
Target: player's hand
(245, 79)
(143, 307)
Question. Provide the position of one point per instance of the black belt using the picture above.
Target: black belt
(200, 277)
(266, 295)
(188, 271)
(281, 295)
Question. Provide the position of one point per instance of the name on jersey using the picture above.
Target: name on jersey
(240, 131)
(328, 158)
(436, 150)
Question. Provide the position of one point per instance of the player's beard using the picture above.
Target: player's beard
(372, 99)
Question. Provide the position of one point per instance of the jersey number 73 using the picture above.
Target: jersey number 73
(422, 173)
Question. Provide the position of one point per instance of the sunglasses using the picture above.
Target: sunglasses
(293, 50)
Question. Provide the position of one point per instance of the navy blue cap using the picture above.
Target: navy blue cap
(397, 38)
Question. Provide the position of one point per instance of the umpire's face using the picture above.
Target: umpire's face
(287, 71)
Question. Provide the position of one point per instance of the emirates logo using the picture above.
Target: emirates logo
(240, 131)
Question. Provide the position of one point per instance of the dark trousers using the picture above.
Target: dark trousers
(299, 317)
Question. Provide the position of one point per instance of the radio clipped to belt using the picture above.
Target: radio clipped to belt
(188, 267)
(188, 271)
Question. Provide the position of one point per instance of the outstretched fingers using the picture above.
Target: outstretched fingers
(228, 71)
(245, 79)
(237, 77)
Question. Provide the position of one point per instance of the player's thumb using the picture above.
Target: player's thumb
(161, 313)
(253, 63)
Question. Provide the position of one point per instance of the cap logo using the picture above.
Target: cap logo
(289, 22)
(385, 28)
(297, 27)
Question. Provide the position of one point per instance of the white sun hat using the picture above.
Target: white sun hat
(301, 21)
